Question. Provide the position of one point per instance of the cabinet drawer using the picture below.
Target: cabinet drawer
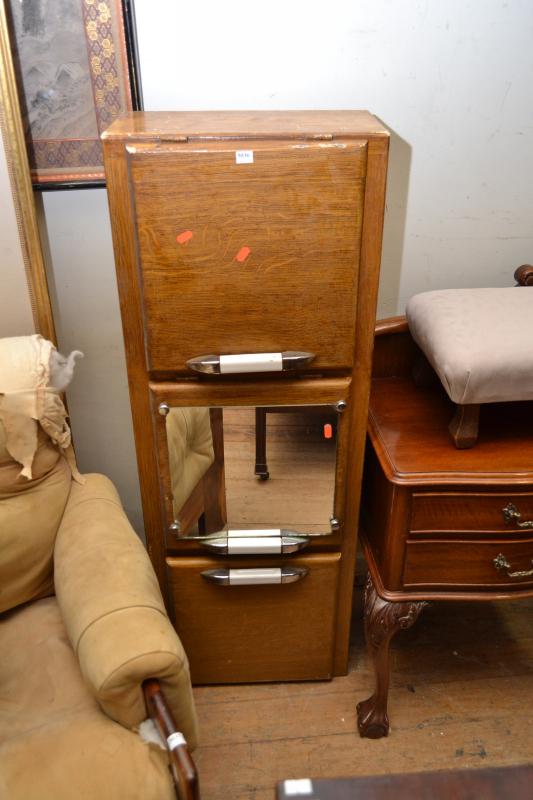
(260, 256)
(482, 512)
(445, 564)
(270, 632)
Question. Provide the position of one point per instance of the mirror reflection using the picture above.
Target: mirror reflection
(249, 468)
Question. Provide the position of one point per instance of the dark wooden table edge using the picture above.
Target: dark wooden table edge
(479, 783)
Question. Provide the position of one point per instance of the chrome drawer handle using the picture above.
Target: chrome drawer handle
(255, 576)
(512, 514)
(250, 362)
(250, 542)
(500, 562)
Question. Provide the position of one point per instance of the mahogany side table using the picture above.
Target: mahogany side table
(437, 523)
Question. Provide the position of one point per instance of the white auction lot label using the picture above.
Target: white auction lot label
(300, 787)
(244, 157)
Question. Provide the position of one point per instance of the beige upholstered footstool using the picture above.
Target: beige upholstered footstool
(480, 343)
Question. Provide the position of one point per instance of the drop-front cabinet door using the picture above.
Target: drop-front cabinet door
(248, 247)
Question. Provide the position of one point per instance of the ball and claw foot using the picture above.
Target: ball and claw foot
(371, 722)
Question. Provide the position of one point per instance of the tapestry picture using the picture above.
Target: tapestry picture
(74, 80)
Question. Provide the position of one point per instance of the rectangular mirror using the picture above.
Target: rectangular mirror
(252, 471)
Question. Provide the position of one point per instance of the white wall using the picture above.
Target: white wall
(452, 80)
(87, 317)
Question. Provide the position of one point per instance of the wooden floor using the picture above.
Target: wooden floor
(461, 697)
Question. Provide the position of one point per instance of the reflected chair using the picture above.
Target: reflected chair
(95, 694)
(195, 441)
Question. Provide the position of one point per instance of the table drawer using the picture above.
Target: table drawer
(505, 563)
(482, 512)
(260, 256)
(258, 632)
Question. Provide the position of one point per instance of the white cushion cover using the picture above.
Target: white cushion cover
(479, 341)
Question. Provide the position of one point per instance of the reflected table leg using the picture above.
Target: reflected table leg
(261, 469)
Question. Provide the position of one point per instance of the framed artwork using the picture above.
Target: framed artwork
(77, 70)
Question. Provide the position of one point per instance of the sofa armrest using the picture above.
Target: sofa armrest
(113, 610)
(182, 766)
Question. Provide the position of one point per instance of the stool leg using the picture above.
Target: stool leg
(383, 620)
(464, 426)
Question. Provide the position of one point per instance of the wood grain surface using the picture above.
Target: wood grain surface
(476, 512)
(297, 209)
(489, 784)
(177, 125)
(442, 564)
(237, 634)
(411, 434)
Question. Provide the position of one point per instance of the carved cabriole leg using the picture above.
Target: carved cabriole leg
(464, 426)
(383, 620)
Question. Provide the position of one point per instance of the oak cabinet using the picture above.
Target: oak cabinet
(247, 249)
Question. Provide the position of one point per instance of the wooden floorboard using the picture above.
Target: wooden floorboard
(460, 697)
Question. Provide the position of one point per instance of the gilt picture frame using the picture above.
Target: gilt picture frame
(19, 203)
(77, 70)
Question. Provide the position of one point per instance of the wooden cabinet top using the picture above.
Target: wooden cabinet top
(246, 124)
(409, 430)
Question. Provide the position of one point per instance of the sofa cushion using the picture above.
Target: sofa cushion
(55, 742)
(30, 513)
(479, 341)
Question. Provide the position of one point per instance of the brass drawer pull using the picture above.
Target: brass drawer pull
(512, 514)
(250, 362)
(254, 577)
(500, 562)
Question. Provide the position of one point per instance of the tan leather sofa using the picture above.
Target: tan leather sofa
(82, 626)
